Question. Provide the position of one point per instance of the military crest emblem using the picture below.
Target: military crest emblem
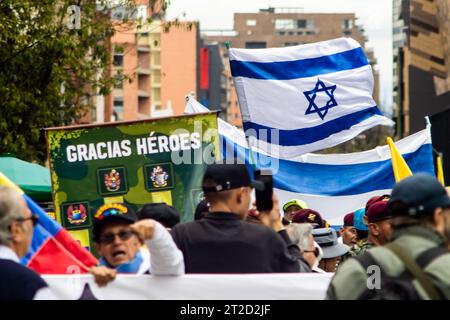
(76, 214)
(159, 177)
(112, 180)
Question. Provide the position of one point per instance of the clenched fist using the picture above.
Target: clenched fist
(144, 229)
(103, 275)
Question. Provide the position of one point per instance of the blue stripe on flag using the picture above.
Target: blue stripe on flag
(303, 136)
(335, 180)
(287, 70)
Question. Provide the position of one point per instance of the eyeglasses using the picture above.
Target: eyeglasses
(315, 251)
(124, 235)
(34, 219)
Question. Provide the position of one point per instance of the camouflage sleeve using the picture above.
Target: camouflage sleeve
(439, 274)
(349, 281)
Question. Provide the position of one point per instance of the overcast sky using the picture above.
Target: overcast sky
(374, 15)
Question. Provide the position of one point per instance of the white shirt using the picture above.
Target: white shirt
(45, 293)
(165, 258)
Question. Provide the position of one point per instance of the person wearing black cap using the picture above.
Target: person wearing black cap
(222, 242)
(415, 264)
(119, 236)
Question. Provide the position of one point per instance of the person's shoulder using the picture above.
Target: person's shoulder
(439, 267)
(349, 281)
(259, 228)
(17, 272)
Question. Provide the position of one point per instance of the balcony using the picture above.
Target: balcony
(143, 94)
(142, 48)
(143, 71)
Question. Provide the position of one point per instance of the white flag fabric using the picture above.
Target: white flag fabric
(332, 184)
(300, 99)
(267, 286)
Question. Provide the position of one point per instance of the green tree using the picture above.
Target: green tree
(49, 68)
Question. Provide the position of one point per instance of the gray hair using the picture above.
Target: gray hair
(300, 235)
(10, 210)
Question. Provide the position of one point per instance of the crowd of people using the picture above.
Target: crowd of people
(405, 236)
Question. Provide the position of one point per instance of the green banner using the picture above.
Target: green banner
(135, 163)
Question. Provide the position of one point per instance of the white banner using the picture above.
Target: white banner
(286, 286)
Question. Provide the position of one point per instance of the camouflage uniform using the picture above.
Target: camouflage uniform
(360, 247)
(350, 280)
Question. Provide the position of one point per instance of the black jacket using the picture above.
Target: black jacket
(18, 282)
(223, 243)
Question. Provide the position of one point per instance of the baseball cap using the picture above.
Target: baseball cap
(227, 177)
(348, 219)
(111, 212)
(167, 215)
(327, 239)
(418, 195)
(378, 211)
(302, 204)
(375, 199)
(309, 216)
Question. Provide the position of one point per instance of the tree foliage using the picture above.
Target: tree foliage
(49, 71)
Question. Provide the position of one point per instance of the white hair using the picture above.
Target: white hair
(300, 234)
(10, 210)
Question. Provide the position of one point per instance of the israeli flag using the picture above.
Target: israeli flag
(315, 96)
(332, 184)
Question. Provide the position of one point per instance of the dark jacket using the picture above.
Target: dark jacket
(18, 282)
(222, 242)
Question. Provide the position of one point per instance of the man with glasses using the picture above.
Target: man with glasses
(16, 232)
(119, 239)
(222, 242)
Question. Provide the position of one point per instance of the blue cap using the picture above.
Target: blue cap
(358, 220)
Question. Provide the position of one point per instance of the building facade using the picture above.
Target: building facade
(280, 27)
(421, 61)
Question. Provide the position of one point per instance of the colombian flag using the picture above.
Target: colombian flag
(53, 250)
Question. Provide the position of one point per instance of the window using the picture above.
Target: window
(288, 44)
(255, 45)
(291, 33)
(118, 105)
(310, 33)
(284, 24)
(347, 33)
(281, 33)
(305, 24)
(118, 59)
(347, 24)
(301, 24)
(250, 22)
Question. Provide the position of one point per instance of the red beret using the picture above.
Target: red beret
(378, 211)
(309, 216)
(348, 219)
(376, 199)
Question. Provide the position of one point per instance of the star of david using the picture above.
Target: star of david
(312, 94)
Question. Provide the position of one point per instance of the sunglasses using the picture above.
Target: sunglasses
(124, 235)
(315, 251)
(34, 219)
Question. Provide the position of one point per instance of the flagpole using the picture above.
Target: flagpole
(252, 158)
